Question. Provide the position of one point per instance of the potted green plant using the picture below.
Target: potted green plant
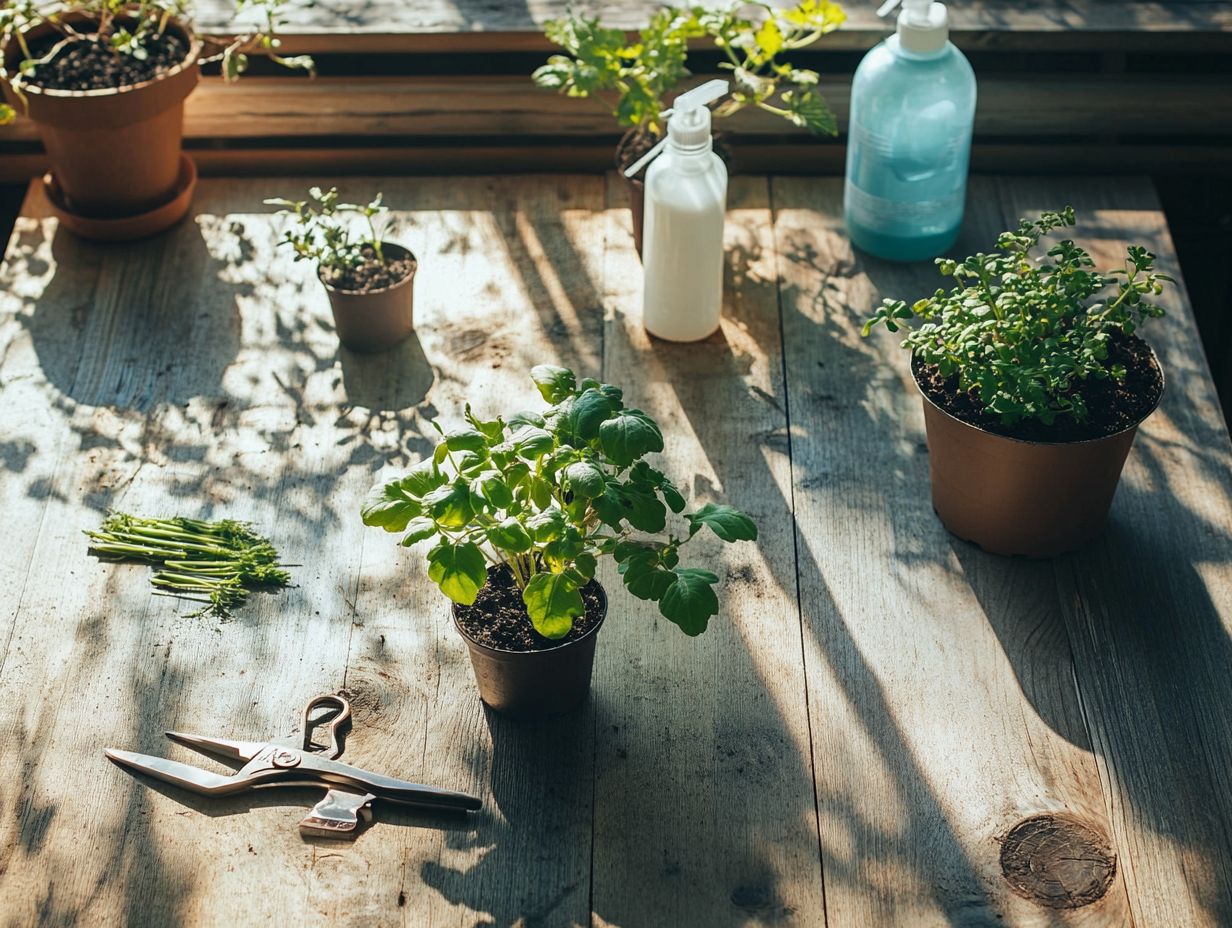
(368, 279)
(520, 511)
(635, 77)
(1034, 382)
(105, 83)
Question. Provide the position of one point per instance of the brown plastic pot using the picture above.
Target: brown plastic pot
(1028, 498)
(529, 684)
(113, 152)
(375, 320)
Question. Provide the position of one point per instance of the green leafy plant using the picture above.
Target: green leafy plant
(641, 73)
(754, 49)
(546, 494)
(128, 27)
(216, 563)
(1021, 332)
(326, 231)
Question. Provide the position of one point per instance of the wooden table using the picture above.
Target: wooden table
(876, 708)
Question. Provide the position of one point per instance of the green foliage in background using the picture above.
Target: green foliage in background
(639, 74)
(1021, 331)
(127, 28)
(547, 494)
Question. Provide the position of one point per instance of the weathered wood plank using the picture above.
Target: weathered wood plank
(1149, 608)
(509, 271)
(704, 802)
(484, 26)
(940, 679)
(425, 108)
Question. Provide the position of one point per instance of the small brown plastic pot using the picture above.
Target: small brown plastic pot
(368, 321)
(532, 684)
(1028, 498)
(114, 152)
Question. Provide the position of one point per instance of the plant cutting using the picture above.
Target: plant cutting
(519, 512)
(634, 78)
(1034, 382)
(214, 563)
(105, 83)
(368, 279)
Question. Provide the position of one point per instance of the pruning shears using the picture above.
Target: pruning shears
(295, 762)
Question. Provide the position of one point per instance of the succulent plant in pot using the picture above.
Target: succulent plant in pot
(1034, 382)
(369, 280)
(105, 82)
(520, 510)
(634, 78)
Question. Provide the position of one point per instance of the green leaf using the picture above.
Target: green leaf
(389, 506)
(423, 478)
(417, 530)
(643, 508)
(452, 506)
(673, 497)
(727, 522)
(553, 601)
(459, 570)
(584, 479)
(554, 383)
(589, 411)
(510, 536)
(541, 492)
(546, 526)
(492, 487)
(465, 440)
(519, 419)
(690, 600)
(629, 435)
(532, 442)
(560, 553)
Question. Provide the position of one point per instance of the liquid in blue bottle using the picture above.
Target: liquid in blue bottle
(909, 140)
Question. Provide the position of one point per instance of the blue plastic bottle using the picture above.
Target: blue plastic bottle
(909, 144)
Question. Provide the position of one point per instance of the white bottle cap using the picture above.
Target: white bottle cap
(689, 124)
(923, 25)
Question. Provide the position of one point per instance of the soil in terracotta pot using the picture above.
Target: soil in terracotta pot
(373, 274)
(1112, 406)
(498, 617)
(91, 65)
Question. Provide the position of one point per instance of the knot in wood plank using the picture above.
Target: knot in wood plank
(1058, 861)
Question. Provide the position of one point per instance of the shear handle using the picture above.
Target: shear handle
(336, 772)
(343, 708)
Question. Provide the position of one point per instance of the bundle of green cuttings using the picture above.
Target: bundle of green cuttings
(215, 563)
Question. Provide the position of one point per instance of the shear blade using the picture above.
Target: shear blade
(170, 771)
(218, 747)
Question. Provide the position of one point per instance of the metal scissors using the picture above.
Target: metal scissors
(292, 762)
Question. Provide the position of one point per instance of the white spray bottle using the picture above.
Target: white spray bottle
(686, 203)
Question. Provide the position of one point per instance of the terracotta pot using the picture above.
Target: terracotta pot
(1028, 498)
(528, 684)
(114, 153)
(375, 320)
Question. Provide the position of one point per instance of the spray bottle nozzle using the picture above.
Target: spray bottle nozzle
(915, 10)
(687, 108)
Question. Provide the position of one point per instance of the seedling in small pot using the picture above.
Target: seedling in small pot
(1034, 380)
(134, 58)
(531, 503)
(368, 279)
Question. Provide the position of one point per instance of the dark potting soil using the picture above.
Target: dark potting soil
(373, 274)
(88, 64)
(1112, 406)
(498, 617)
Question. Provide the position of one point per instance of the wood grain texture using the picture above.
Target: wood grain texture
(703, 790)
(510, 106)
(492, 25)
(875, 709)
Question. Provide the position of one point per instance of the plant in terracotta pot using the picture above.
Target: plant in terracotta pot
(1034, 383)
(633, 78)
(368, 279)
(105, 82)
(519, 512)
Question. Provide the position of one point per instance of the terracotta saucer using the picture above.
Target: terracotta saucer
(126, 228)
